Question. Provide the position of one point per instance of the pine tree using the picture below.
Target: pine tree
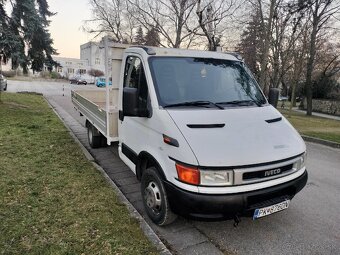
(152, 37)
(139, 38)
(24, 36)
(251, 44)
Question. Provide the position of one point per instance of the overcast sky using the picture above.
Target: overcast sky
(65, 27)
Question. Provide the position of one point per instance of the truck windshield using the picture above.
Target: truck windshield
(184, 81)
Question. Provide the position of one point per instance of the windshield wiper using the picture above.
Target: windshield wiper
(195, 103)
(241, 102)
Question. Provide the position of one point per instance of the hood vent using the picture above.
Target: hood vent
(274, 120)
(206, 125)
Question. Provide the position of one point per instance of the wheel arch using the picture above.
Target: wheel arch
(146, 160)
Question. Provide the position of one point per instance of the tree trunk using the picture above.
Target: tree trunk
(310, 66)
(264, 60)
(292, 99)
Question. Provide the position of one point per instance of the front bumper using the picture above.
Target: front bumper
(226, 206)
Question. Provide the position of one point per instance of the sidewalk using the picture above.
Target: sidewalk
(323, 115)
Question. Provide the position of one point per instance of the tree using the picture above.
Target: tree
(170, 18)
(24, 36)
(111, 17)
(321, 11)
(212, 17)
(250, 45)
(139, 38)
(152, 37)
(95, 73)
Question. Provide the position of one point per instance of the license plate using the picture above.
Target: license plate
(261, 212)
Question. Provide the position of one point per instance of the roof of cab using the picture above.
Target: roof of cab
(171, 52)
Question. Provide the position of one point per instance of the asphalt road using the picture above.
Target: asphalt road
(311, 225)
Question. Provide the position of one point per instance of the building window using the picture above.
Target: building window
(82, 71)
(70, 70)
(68, 63)
(97, 61)
(81, 64)
(59, 69)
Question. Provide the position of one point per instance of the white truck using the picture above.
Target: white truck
(198, 133)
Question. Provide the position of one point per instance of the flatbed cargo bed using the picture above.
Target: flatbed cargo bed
(92, 104)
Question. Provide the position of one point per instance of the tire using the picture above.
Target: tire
(155, 199)
(94, 139)
(5, 88)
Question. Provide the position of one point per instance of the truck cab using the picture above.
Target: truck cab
(200, 135)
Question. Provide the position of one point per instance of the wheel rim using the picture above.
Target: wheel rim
(153, 198)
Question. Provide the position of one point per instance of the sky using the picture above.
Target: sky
(66, 26)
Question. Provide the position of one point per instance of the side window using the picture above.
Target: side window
(134, 77)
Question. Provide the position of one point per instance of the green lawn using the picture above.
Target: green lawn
(315, 126)
(52, 200)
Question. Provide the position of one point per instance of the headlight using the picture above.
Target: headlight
(217, 178)
(193, 175)
(301, 162)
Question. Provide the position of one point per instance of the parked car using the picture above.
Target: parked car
(100, 82)
(3, 83)
(78, 80)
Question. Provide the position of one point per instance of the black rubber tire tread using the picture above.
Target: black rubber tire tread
(166, 216)
(96, 140)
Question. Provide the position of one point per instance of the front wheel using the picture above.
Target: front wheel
(155, 199)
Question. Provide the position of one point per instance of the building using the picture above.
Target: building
(92, 56)
(70, 67)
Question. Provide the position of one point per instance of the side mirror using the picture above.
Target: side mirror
(130, 102)
(273, 96)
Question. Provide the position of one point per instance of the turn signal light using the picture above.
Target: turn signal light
(188, 174)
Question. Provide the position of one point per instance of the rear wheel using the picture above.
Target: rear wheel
(155, 199)
(94, 136)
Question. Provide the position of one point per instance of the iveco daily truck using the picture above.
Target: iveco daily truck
(197, 131)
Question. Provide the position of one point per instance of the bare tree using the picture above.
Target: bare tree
(212, 17)
(95, 73)
(168, 17)
(111, 17)
(321, 12)
(266, 11)
(298, 60)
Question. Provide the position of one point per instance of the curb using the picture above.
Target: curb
(321, 141)
(147, 230)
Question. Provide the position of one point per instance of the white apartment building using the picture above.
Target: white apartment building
(92, 56)
(70, 67)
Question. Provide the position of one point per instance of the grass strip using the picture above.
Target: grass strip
(52, 200)
(314, 126)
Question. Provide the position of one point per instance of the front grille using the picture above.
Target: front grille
(262, 174)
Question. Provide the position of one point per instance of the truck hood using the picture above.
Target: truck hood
(238, 136)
